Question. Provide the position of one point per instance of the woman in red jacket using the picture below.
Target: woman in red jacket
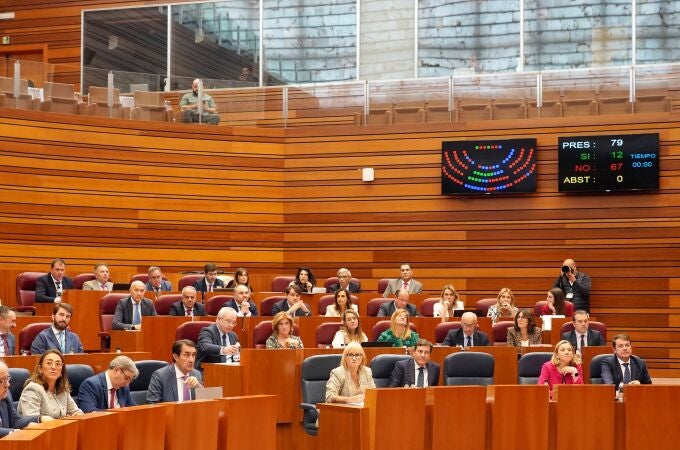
(563, 368)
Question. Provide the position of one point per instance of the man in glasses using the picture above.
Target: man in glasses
(109, 389)
(467, 335)
(11, 421)
(418, 371)
(218, 343)
(344, 282)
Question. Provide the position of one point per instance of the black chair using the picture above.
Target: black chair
(529, 366)
(77, 373)
(382, 366)
(315, 372)
(468, 368)
(16, 384)
(596, 368)
(140, 385)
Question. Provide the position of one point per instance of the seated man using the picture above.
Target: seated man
(405, 282)
(292, 304)
(176, 382)
(187, 306)
(58, 336)
(400, 302)
(156, 283)
(210, 281)
(582, 336)
(344, 282)
(49, 287)
(240, 302)
(189, 106)
(467, 335)
(101, 281)
(623, 367)
(217, 343)
(418, 371)
(10, 420)
(109, 389)
(131, 309)
(8, 321)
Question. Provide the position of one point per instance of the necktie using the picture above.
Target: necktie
(104, 287)
(5, 345)
(224, 344)
(421, 377)
(626, 373)
(112, 398)
(188, 311)
(186, 392)
(62, 342)
(137, 315)
(468, 341)
(583, 342)
(406, 285)
(58, 284)
(210, 288)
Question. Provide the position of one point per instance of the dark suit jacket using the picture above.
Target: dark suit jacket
(353, 288)
(11, 420)
(210, 345)
(93, 395)
(404, 371)
(166, 286)
(163, 385)
(232, 304)
(593, 337)
(46, 290)
(388, 308)
(11, 343)
(46, 340)
(611, 371)
(122, 317)
(202, 286)
(283, 306)
(456, 337)
(177, 309)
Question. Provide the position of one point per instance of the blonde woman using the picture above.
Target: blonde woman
(563, 368)
(449, 302)
(282, 333)
(350, 331)
(504, 307)
(399, 333)
(349, 381)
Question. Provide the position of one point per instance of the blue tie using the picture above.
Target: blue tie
(626, 373)
(62, 342)
(136, 317)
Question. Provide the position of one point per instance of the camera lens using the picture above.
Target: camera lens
(566, 269)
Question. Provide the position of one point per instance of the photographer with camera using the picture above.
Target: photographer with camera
(575, 285)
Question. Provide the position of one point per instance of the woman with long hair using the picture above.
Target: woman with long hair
(350, 331)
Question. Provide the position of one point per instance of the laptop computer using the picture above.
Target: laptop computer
(121, 287)
(370, 344)
(460, 312)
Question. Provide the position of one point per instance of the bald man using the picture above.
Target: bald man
(131, 309)
(575, 285)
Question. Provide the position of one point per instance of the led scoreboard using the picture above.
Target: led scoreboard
(489, 166)
(608, 163)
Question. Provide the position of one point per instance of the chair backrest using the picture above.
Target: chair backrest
(143, 277)
(468, 368)
(7, 85)
(382, 284)
(334, 280)
(314, 374)
(190, 330)
(538, 307)
(374, 305)
(324, 302)
(261, 333)
(100, 94)
(164, 302)
(58, 90)
(325, 333)
(598, 326)
(427, 306)
(107, 306)
(18, 375)
(499, 332)
(267, 304)
(382, 366)
(281, 282)
(483, 304)
(213, 306)
(145, 98)
(529, 366)
(188, 280)
(596, 368)
(29, 333)
(25, 287)
(442, 329)
(140, 385)
(80, 279)
(77, 373)
(383, 325)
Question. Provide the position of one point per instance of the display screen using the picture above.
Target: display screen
(622, 162)
(489, 166)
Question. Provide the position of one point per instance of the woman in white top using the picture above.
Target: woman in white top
(504, 307)
(343, 302)
(448, 302)
(350, 331)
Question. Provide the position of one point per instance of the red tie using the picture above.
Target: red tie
(188, 312)
(104, 287)
(406, 285)
(112, 399)
(5, 344)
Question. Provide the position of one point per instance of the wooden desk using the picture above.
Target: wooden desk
(28, 439)
(228, 376)
(344, 427)
(508, 426)
(464, 406)
(574, 411)
(142, 427)
(127, 340)
(61, 433)
(652, 416)
(505, 363)
(159, 335)
(390, 408)
(191, 425)
(85, 318)
(97, 429)
(237, 422)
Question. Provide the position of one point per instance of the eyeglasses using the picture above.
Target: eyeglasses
(467, 325)
(128, 378)
(5, 380)
(56, 364)
(354, 355)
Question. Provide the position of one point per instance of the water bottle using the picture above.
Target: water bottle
(236, 357)
(619, 393)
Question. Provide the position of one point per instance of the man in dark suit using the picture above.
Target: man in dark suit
(344, 282)
(240, 302)
(400, 302)
(187, 306)
(8, 320)
(11, 421)
(210, 281)
(156, 283)
(176, 382)
(293, 304)
(109, 389)
(467, 335)
(58, 336)
(418, 371)
(575, 285)
(582, 335)
(130, 310)
(49, 287)
(217, 343)
(623, 366)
